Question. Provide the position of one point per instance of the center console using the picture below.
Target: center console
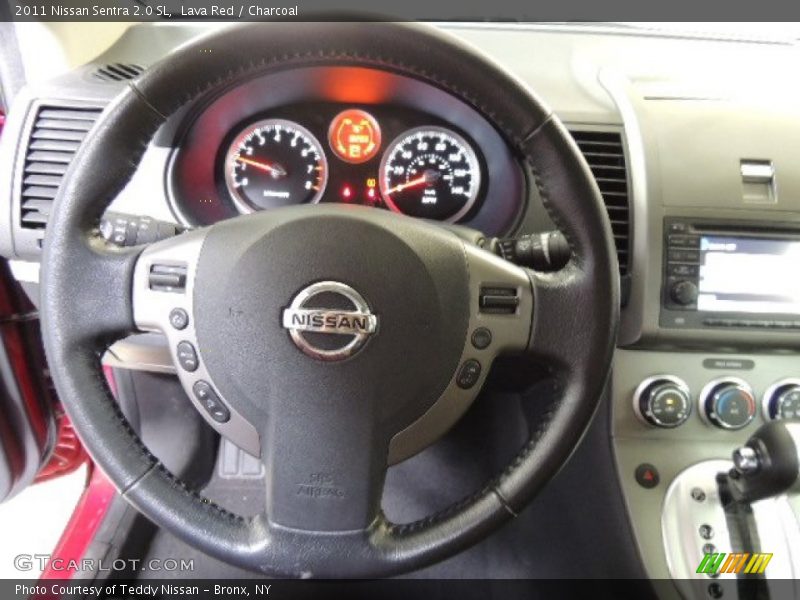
(710, 341)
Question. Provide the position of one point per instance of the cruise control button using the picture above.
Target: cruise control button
(187, 357)
(481, 338)
(468, 374)
(178, 318)
(206, 395)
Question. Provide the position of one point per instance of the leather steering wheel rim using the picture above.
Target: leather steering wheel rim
(86, 296)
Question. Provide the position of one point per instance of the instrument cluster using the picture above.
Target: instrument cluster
(386, 157)
(410, 148)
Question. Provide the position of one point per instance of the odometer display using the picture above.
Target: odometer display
(275, 163)
(430, 172)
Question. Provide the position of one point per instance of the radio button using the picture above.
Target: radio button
(688, 241)
(678, 227)
(683, 293)
(683, 255)
(684, 270)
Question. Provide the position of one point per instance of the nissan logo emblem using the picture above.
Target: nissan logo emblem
(329, 320)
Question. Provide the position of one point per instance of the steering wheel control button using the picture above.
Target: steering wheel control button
(647, 476)
(329, 320)
(468, 374)
(662, 401)
(206, 395)
(179, 318)
(728, 403)
(498, 300)
(481, 338)
(167, 278)
(187, 357)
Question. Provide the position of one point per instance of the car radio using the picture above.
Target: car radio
(730, 274)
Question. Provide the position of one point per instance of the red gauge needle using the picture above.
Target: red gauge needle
(276, 170)
(426, 177)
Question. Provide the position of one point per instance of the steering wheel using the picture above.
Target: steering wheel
(331, 341)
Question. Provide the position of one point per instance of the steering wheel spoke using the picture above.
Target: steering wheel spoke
(325, 464)
(500, 310)
(163, 301)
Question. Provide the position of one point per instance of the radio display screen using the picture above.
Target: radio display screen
(749, 275)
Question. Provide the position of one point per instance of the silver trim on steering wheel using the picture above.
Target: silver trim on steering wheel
(151, 311)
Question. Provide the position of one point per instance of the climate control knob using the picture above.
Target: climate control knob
(727, 403)
(782, 400)
(662, 401)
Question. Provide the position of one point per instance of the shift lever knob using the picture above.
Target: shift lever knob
(768, 464)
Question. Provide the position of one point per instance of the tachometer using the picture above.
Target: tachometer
(275, 163)
(430, 172)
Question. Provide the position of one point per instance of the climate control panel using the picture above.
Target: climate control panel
(728, 403)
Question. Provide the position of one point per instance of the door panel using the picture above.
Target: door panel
(27, 400)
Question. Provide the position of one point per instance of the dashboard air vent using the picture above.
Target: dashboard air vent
(55, 137)
(118, 72)
(605, 154)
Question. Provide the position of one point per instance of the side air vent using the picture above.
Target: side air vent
(605, 154)
(118, 72)
(55, 137)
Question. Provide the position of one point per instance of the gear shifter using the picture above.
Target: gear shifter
(768, 464)
(749, 506)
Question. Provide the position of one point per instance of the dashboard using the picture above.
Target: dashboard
(699, 166)
(347, 135)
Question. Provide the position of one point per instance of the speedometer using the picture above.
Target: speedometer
(430, 172)
(275, 163)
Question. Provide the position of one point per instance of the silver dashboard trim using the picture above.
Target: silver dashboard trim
(618, 87)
